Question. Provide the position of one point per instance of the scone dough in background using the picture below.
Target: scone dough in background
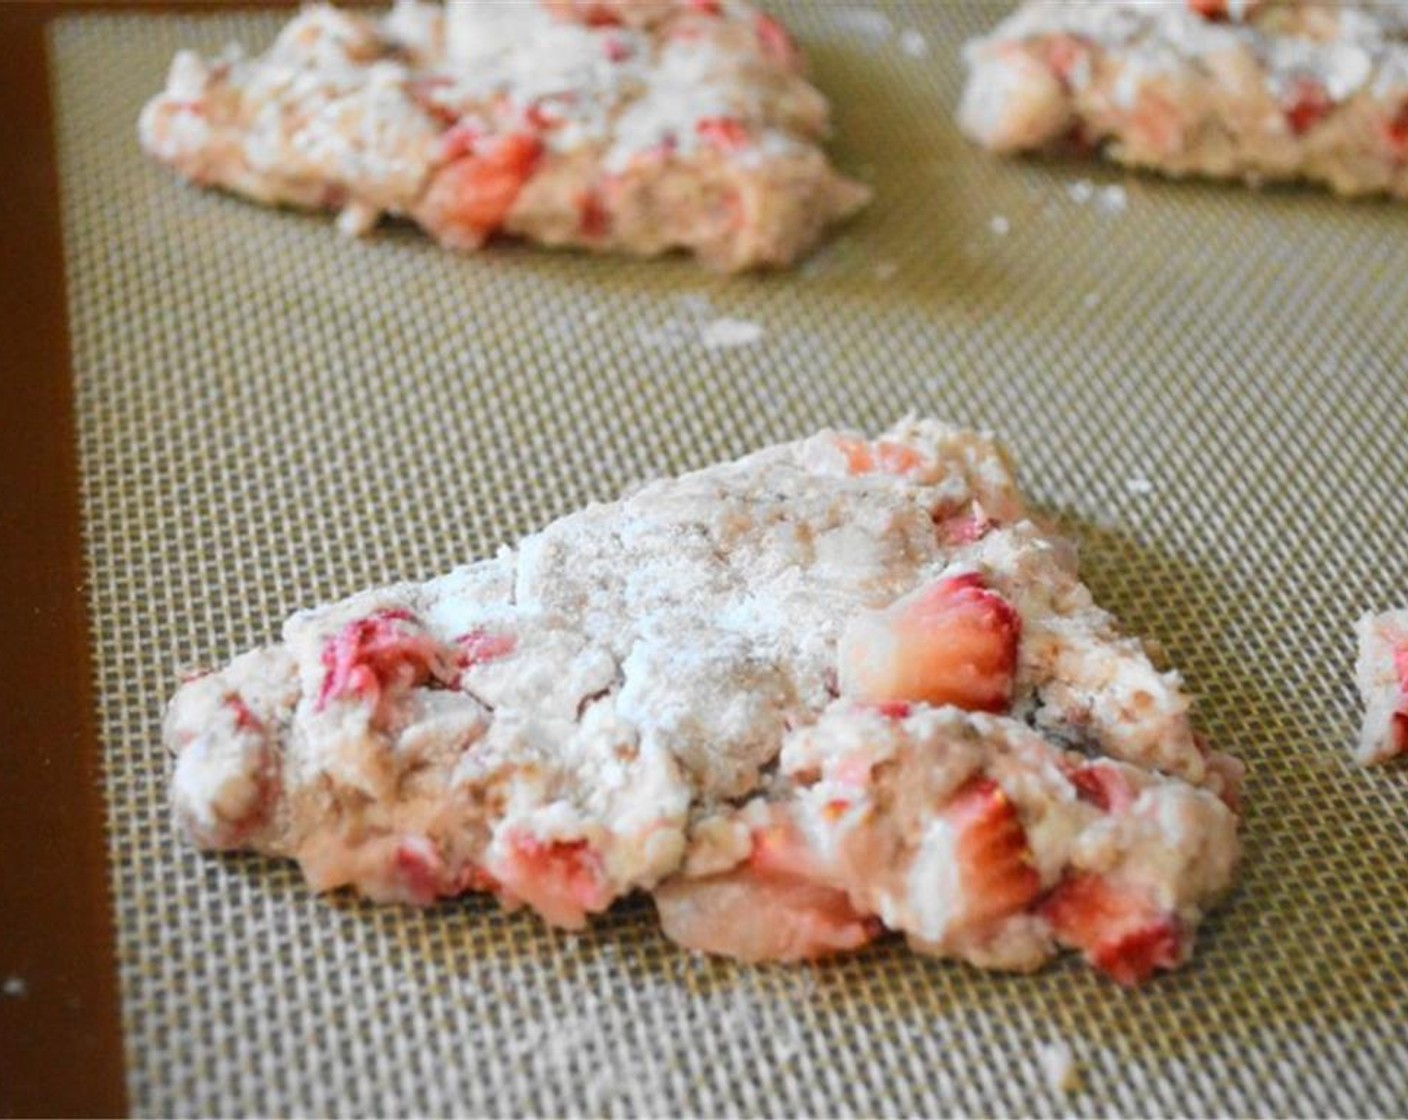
(839, 686)
(1382, 676)
(1257, 90)
(629, 126)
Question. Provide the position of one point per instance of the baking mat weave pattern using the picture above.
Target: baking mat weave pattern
(1208, 386)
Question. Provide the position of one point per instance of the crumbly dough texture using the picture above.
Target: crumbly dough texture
(645, 696)
(1381, 673)
(1257, 90)
(633, 126)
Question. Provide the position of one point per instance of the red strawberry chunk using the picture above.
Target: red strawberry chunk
(1104, 787)
(472, 195)
(373, 655)
(776, 43)
(882, 456)
(479, 646)
(1306, 106)
(1119, 930)
(706, 7)
(964, 529)
(419, 870)
(725, 133)
(245, 720)
(594, 218)
(1395, 133)
(891, 709)
(1063, 55)
(616, 48)
(458, 140)
(994, 857)
(563, 880)
(1221, 10)
(953, 642)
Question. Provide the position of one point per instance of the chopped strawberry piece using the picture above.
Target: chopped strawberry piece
(706, 7)
(419, 870)
(1119, 930)
(479, 646)
(593, 13)
(776, 43)
(245, 720)
(753, 915)
(1306, 106)
(726, 133)
(1104, 787)
(561, 879)
(994, 859)
(458, 140)
(594, 218)
(1221, 10)
(616, 48)
(883, 456)
(1063, 55)
(1395, 133)
(1400, 716)
(953, 642)
(373, 655)
(964, 529)
(472, 195)
(891, 709)
(474, 878)
(835, 809)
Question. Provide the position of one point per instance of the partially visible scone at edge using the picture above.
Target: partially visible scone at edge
(631, 126)
(1257, 90)
(1382, 676)
(837, 687)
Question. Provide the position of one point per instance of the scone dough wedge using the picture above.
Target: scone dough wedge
(1381, 673)
(1256, 90)
(837, 687)
(628, 126)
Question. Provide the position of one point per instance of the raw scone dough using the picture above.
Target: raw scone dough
(1382, 676)
(634, 126)
(838, 686)
(1257, 90)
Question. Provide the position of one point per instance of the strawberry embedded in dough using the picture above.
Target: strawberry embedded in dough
(1120, 931)
(1103, 786)
(470, 197)
(952, 642)
(879, 457)
(563, 880)
(380, 654)
(419, 871)
(975, 865)
(776, 906)
(776, 44)
(728, 134)
(1400, 715)
(1307, 104)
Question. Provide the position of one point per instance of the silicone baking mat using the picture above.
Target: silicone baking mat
(1208, 385)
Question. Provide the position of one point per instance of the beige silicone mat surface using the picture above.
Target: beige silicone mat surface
(1209, 386)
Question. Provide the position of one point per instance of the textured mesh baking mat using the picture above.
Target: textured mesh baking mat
(1209, 386)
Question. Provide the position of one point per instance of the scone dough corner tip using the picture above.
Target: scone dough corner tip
(838, 687)
(627, 126)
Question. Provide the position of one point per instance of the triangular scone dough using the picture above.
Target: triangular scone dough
(760, 679)
(1258, 90)
(634, 126)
